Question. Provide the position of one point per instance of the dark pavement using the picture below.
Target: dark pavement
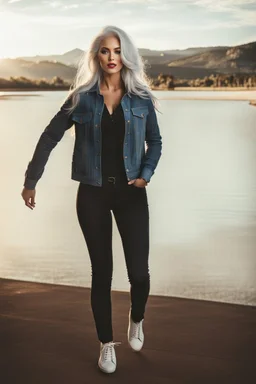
(48, 336)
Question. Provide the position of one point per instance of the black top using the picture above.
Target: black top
(113, 131)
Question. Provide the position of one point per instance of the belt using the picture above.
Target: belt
(112, 179)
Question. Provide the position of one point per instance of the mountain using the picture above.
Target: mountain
(194, 50)
(70, 58)
(195, 62)
(35, 70)
(154, 56)
(179, 72)
(241, 58)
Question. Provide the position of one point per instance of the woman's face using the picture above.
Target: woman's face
(109, 53)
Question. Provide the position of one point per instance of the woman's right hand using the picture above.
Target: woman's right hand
(28, 196)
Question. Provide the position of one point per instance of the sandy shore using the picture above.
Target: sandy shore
(210, 89)
(181, 93)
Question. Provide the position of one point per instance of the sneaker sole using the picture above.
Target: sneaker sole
(103, 370)
(135, 350)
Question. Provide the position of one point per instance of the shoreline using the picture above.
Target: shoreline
(208, 89)
(236, 95)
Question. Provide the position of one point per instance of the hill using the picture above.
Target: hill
(35, 70)
(191, 63)
(239, 59)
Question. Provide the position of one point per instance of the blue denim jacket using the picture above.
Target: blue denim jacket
(140, 126)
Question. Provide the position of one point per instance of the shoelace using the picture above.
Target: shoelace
(108, 349)
(136, 329)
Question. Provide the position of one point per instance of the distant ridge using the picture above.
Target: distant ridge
(194, 62)
(241, 58)
(35, 70)
(69, 58)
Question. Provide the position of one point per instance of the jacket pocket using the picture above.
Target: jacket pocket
(82, 118)
(139, 118)
(140, 112)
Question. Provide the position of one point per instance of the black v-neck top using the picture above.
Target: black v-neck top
(113, 131)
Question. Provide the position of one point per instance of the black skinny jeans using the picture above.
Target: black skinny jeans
(129, 205)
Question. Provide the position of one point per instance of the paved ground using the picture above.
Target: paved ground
(47, 336)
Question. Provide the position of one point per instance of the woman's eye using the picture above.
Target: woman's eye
(105, 51)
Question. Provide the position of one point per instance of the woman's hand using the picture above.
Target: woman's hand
(28, 196)
(140, 183)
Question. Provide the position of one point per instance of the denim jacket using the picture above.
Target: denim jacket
(140, 126)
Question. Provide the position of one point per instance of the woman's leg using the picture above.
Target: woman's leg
(95, 221)
(132, 217)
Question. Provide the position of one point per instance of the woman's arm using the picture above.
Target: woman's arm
(154, 145)
(47, 141)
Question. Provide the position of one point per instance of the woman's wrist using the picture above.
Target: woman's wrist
(145, 181)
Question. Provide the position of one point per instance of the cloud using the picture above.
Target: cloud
(13, 1)
(239, 10)
(134, 1)
(71, 6)
(53, 4)
(160, 7)
(223, 5)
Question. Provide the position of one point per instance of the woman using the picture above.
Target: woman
(113, 111)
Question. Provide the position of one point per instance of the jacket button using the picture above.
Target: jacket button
(127, 170)
(96, 125)
(125, 157)
(128, 121)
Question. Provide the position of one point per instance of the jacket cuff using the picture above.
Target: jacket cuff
(146, 174)
(30, 184)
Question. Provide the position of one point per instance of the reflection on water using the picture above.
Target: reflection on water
(202, 203)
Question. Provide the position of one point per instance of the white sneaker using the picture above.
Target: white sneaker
(135, 334)
(107, 360)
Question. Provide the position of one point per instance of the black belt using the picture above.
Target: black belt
(112, 179)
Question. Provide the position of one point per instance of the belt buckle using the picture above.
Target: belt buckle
(112, 179)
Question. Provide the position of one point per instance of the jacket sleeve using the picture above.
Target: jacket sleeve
(154, 145)
(47, 141)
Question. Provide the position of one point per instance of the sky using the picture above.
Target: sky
(35, 27)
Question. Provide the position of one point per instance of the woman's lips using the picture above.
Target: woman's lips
(111, 65)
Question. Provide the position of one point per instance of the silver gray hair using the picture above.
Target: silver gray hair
(132, 73)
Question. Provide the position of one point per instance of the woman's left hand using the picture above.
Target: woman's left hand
(140, 183)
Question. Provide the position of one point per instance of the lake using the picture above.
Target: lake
(202, 201)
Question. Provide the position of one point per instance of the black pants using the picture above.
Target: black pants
(129, 205)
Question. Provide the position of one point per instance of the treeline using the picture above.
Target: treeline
(214, 80)
(25, 83)
(162, 81)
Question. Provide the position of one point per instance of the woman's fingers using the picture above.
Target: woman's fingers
(33, 200)
(28, 204)
(132, 181)
(29, 198)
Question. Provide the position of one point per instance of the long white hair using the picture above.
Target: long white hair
(132, 73)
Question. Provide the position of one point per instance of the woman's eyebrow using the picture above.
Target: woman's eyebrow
(114, 48)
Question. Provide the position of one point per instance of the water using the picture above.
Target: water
(202, 201)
